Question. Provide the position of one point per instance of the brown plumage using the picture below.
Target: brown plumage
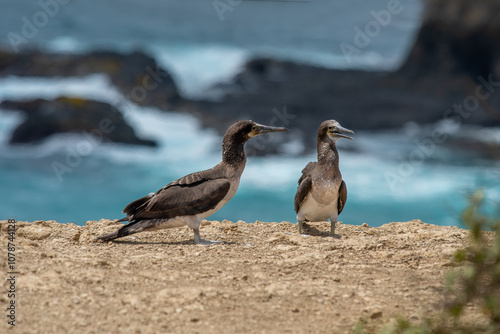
(194, 197)
(321, 193)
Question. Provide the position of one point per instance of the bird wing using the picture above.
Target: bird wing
(342, 196)
(195, 178)
(307, 170)
(190, 195)
(185, 200)
(302, 191)
(135, 207)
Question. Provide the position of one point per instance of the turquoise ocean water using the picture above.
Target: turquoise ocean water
(190, 39)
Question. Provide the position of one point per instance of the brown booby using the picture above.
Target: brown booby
(192, 198)
(322, 194)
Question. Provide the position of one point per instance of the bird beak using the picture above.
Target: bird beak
(261, 129)
(338, 132)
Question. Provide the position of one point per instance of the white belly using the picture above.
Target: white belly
(173, 222)
(313, 211)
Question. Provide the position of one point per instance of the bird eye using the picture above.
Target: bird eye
(330, 128)
(254, 128)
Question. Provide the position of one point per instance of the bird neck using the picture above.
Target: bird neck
(233, 150)
(327, 152)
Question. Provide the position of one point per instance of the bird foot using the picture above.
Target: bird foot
(205, 242)
(332, 229)
(199, 241)
(300, 225)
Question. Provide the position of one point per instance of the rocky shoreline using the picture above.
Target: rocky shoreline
(44, 118)
(450, 74)
(266, 90)
(265, 278)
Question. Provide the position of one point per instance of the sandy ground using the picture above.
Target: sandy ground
(265, 279)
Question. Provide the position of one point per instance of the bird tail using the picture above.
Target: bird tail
(122, 232)
(133, 227)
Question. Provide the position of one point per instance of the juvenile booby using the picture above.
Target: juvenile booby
(321, 194)
(192, 198)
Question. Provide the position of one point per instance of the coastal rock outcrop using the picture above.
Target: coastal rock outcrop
(457, 36)
(136, 75)
(71, 115)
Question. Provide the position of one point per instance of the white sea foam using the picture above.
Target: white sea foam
(95, 86)
(8, 121)
(197, 67)
(182, 141)
(67, 44)
(279, 172)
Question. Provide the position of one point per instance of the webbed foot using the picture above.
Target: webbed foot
(205, 242)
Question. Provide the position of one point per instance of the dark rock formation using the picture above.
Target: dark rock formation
(136, 75)
(359, 100)
(452, 72)
(457, 36)
(71, 115)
